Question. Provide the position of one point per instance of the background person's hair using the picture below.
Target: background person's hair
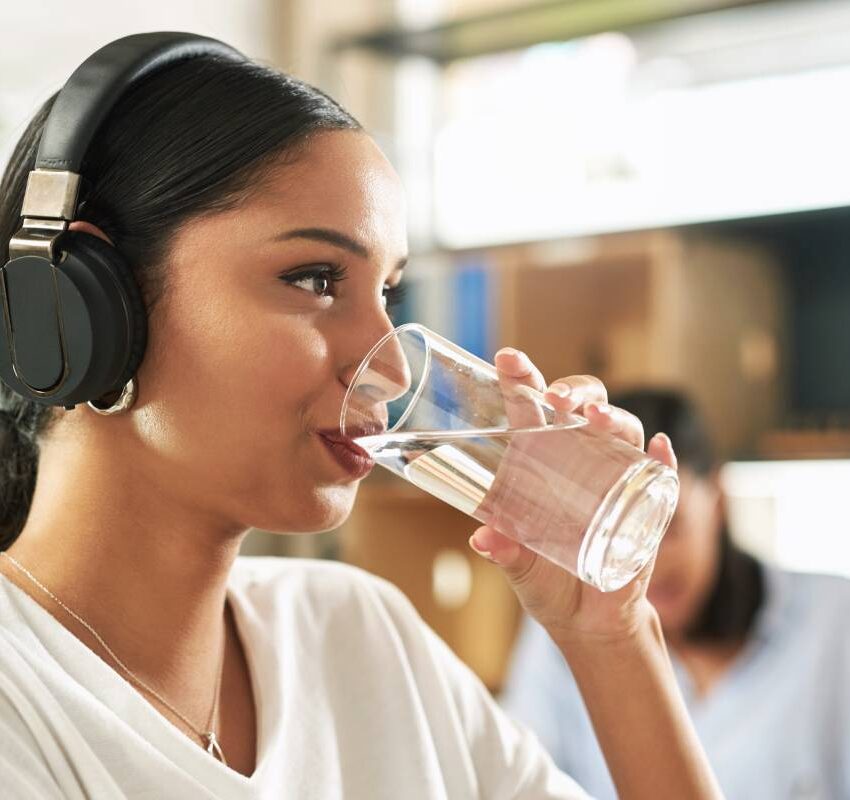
(738, 590)
(190, 139)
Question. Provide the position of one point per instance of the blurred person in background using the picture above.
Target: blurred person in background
(139, 656)
(762, 655)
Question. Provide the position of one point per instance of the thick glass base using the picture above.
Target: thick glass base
(628, 526)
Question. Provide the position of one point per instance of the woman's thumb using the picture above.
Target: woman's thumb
(516, 561)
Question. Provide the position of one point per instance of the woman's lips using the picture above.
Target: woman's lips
(350, 456)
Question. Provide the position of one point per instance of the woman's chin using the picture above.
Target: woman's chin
(328, 508)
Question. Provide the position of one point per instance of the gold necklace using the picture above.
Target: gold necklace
(208, 736)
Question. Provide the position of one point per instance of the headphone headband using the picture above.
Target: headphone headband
(78, 111)
(97, 84)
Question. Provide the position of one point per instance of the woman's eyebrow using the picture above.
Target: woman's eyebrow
(325, 235)
(336, 238)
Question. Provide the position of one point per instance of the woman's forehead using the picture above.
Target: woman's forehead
(332, 166)
(346, 187)
(340, 180)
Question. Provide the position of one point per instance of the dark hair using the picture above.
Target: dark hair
(194, 138)
(738, 590)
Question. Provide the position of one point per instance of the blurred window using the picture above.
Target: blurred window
(731, 114)
(792, 513)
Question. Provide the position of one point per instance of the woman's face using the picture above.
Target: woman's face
(687, 560)
(267, 310)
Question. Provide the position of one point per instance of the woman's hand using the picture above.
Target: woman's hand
(567, 607)
(612, 641)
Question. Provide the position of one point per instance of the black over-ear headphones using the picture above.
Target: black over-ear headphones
(74, 325)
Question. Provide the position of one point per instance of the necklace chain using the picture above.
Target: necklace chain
(208, 736)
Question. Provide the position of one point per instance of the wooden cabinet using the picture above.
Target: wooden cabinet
(706, 314)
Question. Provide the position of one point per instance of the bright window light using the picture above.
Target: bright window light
(584, 137)
(793, 513)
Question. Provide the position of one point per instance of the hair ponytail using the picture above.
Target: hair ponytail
(19, 459)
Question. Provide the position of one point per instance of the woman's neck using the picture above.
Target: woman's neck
(130, 557)
(706, 662)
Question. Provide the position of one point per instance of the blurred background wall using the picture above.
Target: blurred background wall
(655, 191)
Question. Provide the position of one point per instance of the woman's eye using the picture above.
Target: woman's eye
(319, 282)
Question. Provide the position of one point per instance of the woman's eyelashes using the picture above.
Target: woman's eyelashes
(393, 295)
(322, 280)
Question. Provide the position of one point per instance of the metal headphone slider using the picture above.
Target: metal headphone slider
(49, 204)
(36, 238)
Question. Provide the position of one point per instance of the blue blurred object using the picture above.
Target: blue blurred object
(472, 312)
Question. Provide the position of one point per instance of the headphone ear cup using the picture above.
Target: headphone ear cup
(73, 332)
(112, 269)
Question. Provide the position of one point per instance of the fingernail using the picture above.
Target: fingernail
(483, 553)
(524, 360)
(603, 408)
(560, 389)
(664, 438)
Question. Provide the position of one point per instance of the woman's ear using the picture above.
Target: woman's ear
(87, 227)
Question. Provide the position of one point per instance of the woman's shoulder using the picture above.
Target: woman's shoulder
(809, 604)
(324, 589)
(272, 571)
(330, 608)
(815, 588)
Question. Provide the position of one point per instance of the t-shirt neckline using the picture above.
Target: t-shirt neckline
(157, 729)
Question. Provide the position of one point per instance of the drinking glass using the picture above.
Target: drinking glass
(439, 417)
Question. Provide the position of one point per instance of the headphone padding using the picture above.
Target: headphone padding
(100, 256)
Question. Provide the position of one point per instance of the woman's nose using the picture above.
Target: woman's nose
(385, 377)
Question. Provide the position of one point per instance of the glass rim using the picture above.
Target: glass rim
(364, 363)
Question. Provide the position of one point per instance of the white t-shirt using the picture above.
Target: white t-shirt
(356, 698)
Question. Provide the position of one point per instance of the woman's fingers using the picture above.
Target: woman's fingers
(498, 548)
(661, 450)
(566, 395)
(616, 422)
(517, 374)
(586, 395)
(578, 394)
(522, 567)
(573, 393)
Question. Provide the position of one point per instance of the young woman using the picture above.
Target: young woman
(138, 656)
(761, 654)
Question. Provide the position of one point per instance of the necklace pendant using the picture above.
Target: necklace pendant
(214, 748)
